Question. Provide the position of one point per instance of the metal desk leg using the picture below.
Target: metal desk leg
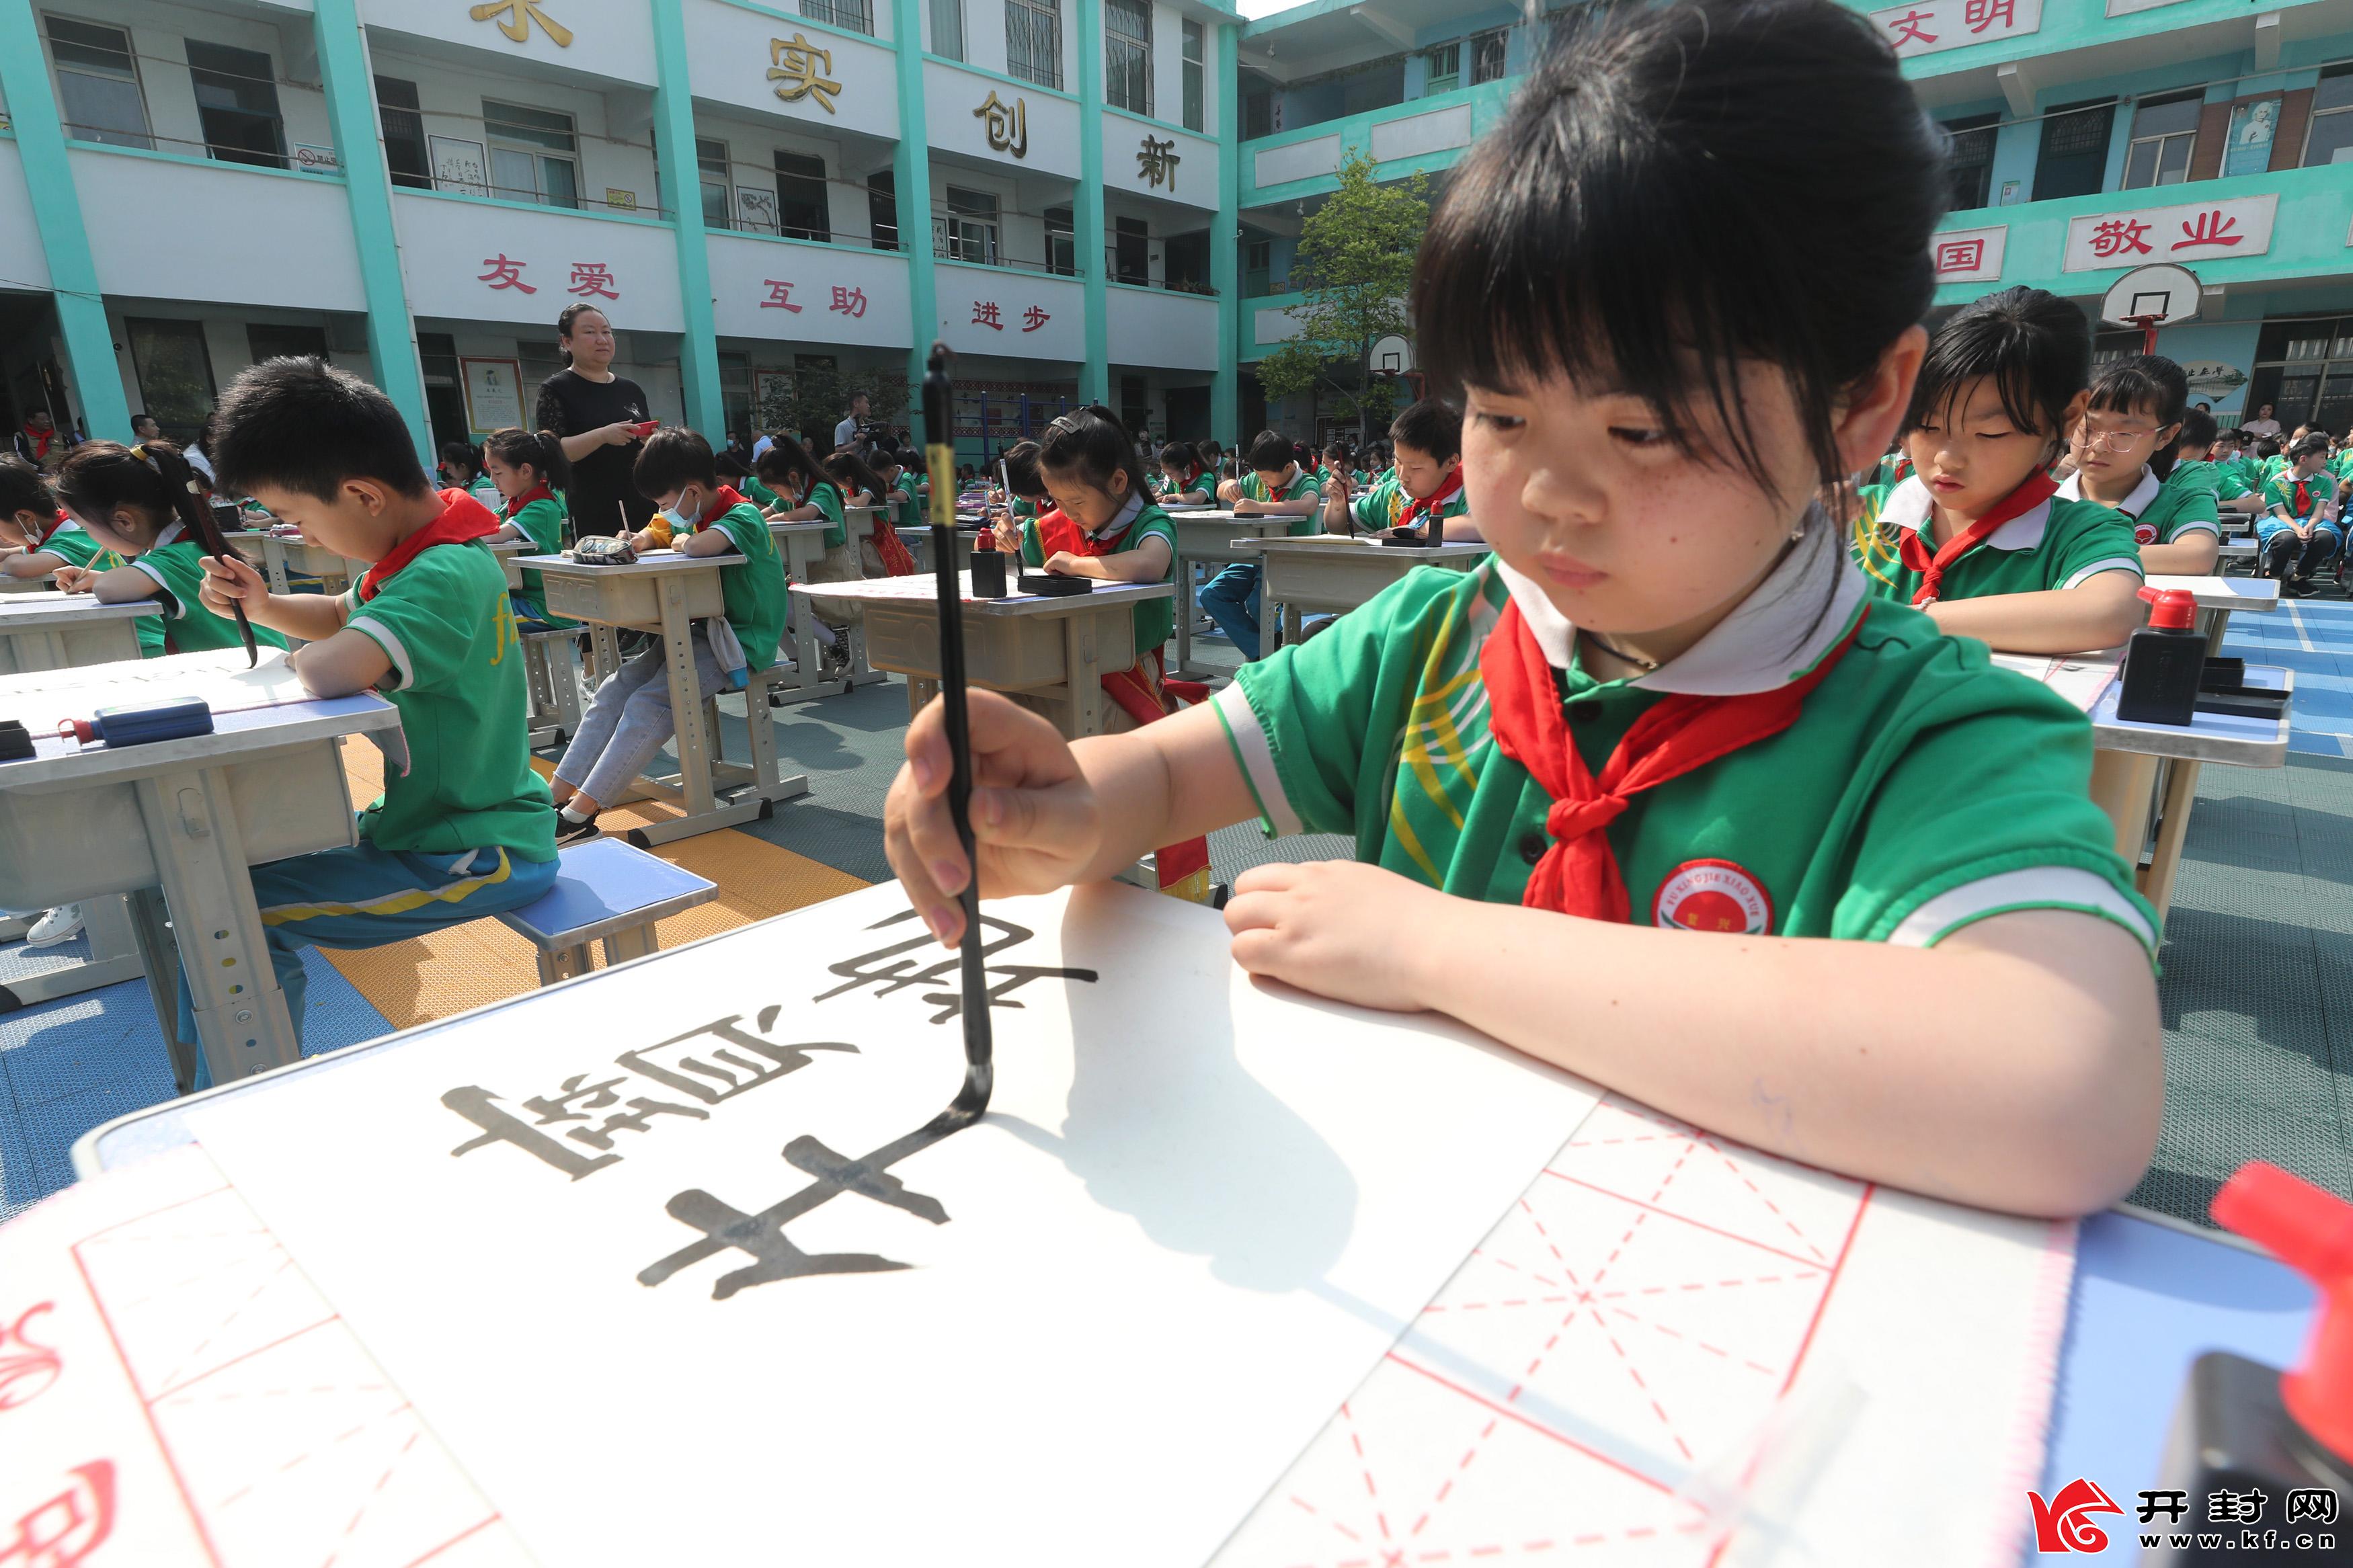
(634, 943)
(2121, 786)
(242, 1024)
(152, 930)
(2172, 827)
(1183, 616)
(686, 699)
(1082, 671)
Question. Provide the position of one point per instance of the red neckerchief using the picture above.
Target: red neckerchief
(2032, 492)
(536, 493)
(462, 518)
(49, 532)
(41, 443)
(1444, 492)
(1578, 874)
(2303, 502)
(724, 500)
(1067, 535)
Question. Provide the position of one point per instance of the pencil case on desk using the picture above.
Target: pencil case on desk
(1053, 587)
(604, 550)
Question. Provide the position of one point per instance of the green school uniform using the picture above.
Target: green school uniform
(176, 565)
(826, 497)
(1920, 789)
(2271, 469)
(753, 589)
(1155, 619)
(1022, 508)
(2163, 512)
(907, 485)
(72, 544)
(2281, 489)
(1381, 506)
(1301, 484)
(2058, 545)
(543, 519)
(457, 677)
(757, 493)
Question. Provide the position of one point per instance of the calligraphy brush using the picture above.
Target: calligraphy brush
(208, 533)
(939, 455)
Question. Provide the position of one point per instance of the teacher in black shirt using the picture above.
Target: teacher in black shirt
(593, 413)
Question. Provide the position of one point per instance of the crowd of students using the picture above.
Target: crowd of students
(1753, 532)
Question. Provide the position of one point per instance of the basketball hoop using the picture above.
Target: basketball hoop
(2148, 298)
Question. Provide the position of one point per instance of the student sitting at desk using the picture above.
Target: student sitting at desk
(1182, 478)
(36, 538)
(808, 493)
(1427, 478)
(881, 553)
(1661, 794)
(2127, 447)
(629, 718)
(1274, 486)
(1025, 498)
(532, 473)
(464, 831)
(733, 471)
(145, 504)
(1977, 536)
(462, 468)
(2296, 527)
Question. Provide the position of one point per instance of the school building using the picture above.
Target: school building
(416, 187)
(2089, 137)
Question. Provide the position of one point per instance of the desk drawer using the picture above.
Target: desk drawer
(630, 600)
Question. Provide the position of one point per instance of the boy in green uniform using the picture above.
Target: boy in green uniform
(1661, 795)
(464, 831)
(1275, 486)
(1427, 478)
(629, 718)
(2128, 449)
(1977, 537)
(142, 504)
(2297, 529)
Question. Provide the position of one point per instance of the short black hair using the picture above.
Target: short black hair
(2035, 347)
(2311, 446)
(1430, 426)
(297, 423)
(2197, 431)
(1092, 443)
(673, 459)
(1269, 453)
(2266, 447)
(1021, 475)
(1584, 236)
(461, 452)
(542, 451)
(22, 488)
(143, 417)
(1181, 455)
(2147, 384)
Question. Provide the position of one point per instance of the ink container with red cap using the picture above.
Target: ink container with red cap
(2243, 1427)
(2164, 662)
(142, 725)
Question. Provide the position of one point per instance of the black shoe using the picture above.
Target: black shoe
(2302, 587)
(570, 832)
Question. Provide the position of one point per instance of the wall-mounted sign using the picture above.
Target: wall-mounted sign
(1970, 255)
(1932, 26)
(493, 393)
(2189, 232)
(756, 208)
(312, 160)
(1155, 162)
(625, 200)
(2247, 150)
(515, 18)
(1006, 124)
(800, 70)
(460, 166)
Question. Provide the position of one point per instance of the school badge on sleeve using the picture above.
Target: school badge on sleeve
(1713, 895)
(2144, 534)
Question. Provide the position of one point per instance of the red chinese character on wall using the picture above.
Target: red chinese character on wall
(2211, 228)
(1034, 317)
(504, 274)
(1906, 29)
(1960, 256)
(780, 297)
(849, 301)
(69, 1527)
(2114, 236)
(1982, 13)
(593, 278)
(985, 313)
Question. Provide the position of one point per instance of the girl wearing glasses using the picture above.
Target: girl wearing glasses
(2126, 447)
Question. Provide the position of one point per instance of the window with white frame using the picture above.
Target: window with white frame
(1195, 73)
(2164, 133)
(98, 84)
(534, 154)
(1127, 54)
(947, 29)
(711, 164)
(1488, 53)
(967, 231)
(1033, 41)
(856, 15)
(2330, 138)
(1442, 68)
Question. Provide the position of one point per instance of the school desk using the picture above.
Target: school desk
(1336, 573)
(918, 542)
(54, 631)
(41, 584)
(665, 591)
(802, 546)
(507, 550)
(188, 816)
(1209, 536)
(2148, 1296)
(2218, 598)
(1051, 653)
(282, 557)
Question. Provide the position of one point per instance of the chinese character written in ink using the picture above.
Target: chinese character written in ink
(1034, 317)
(985, 313)
(2113, 237)
(504, 274)
(1908, 31)
(1157, 163)
(849, 301)
(780, 297)
(2316, 1504)
(894, 968)
(1960, 255)
(800, 70)
(1006, 124)
(593, 278)
(26, 1368)
(519, 15)
(2211, 228)
(761, 1236)
(1980, 14)
(2172, 1504)
(66, 1529)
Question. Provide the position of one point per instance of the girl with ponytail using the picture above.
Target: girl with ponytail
(532, 473)
(143, 502)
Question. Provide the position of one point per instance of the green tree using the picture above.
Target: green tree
(819, 396)
(1355, 262)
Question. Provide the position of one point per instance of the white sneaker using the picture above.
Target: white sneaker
(60, 924)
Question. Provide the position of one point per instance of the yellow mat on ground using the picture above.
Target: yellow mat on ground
(449, 971)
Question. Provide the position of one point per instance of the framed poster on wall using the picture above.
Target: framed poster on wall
(757, 207)
(460, 166)
(2248, 147)
(493, 394)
